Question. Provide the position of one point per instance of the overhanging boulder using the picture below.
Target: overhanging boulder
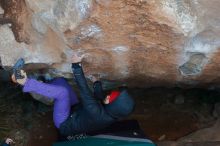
(140, 43)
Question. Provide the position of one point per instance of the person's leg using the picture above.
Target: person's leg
(60, 95)
(62, 82)
(61, 111)
(89, 103)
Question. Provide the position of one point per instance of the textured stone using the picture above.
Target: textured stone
(61, 15)
(40, 51)
(1, 10)
(7, 44)
(204, 135)
(136, 42)
(216, 111)
(19, 15)
(38, 24)
(42, 99)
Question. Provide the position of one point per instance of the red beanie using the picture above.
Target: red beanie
(113, 95)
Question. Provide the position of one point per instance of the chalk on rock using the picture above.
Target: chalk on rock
(1, 10)
(38, 24)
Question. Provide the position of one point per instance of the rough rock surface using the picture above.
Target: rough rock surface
(1, 10)
(140, 42)
(204, 135)
(189, 144)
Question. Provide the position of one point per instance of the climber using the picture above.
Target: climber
(91, 114)
(8, 142)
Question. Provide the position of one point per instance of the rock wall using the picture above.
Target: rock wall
(141, 43)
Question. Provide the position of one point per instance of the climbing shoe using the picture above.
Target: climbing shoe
(17, 68)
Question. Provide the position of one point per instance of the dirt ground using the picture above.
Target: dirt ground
(164, 114)
(169, 114)
(43, 133)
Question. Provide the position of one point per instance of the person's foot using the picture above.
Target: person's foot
(18, 67)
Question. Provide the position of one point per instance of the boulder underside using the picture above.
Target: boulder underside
(140, 43)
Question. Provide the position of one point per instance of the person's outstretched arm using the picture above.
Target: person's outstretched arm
(88, 101)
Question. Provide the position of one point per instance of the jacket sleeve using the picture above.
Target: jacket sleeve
(98, 90)
(88, 101)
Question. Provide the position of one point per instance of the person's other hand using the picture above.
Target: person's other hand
(76, 58)
(9, 141)
(20, 81)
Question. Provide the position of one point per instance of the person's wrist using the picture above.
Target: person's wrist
(76, 65)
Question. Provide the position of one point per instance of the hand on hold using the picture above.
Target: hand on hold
(76, 58)
(9, 141)
(20, 81)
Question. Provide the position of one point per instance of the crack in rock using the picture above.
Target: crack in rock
(194, 65)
